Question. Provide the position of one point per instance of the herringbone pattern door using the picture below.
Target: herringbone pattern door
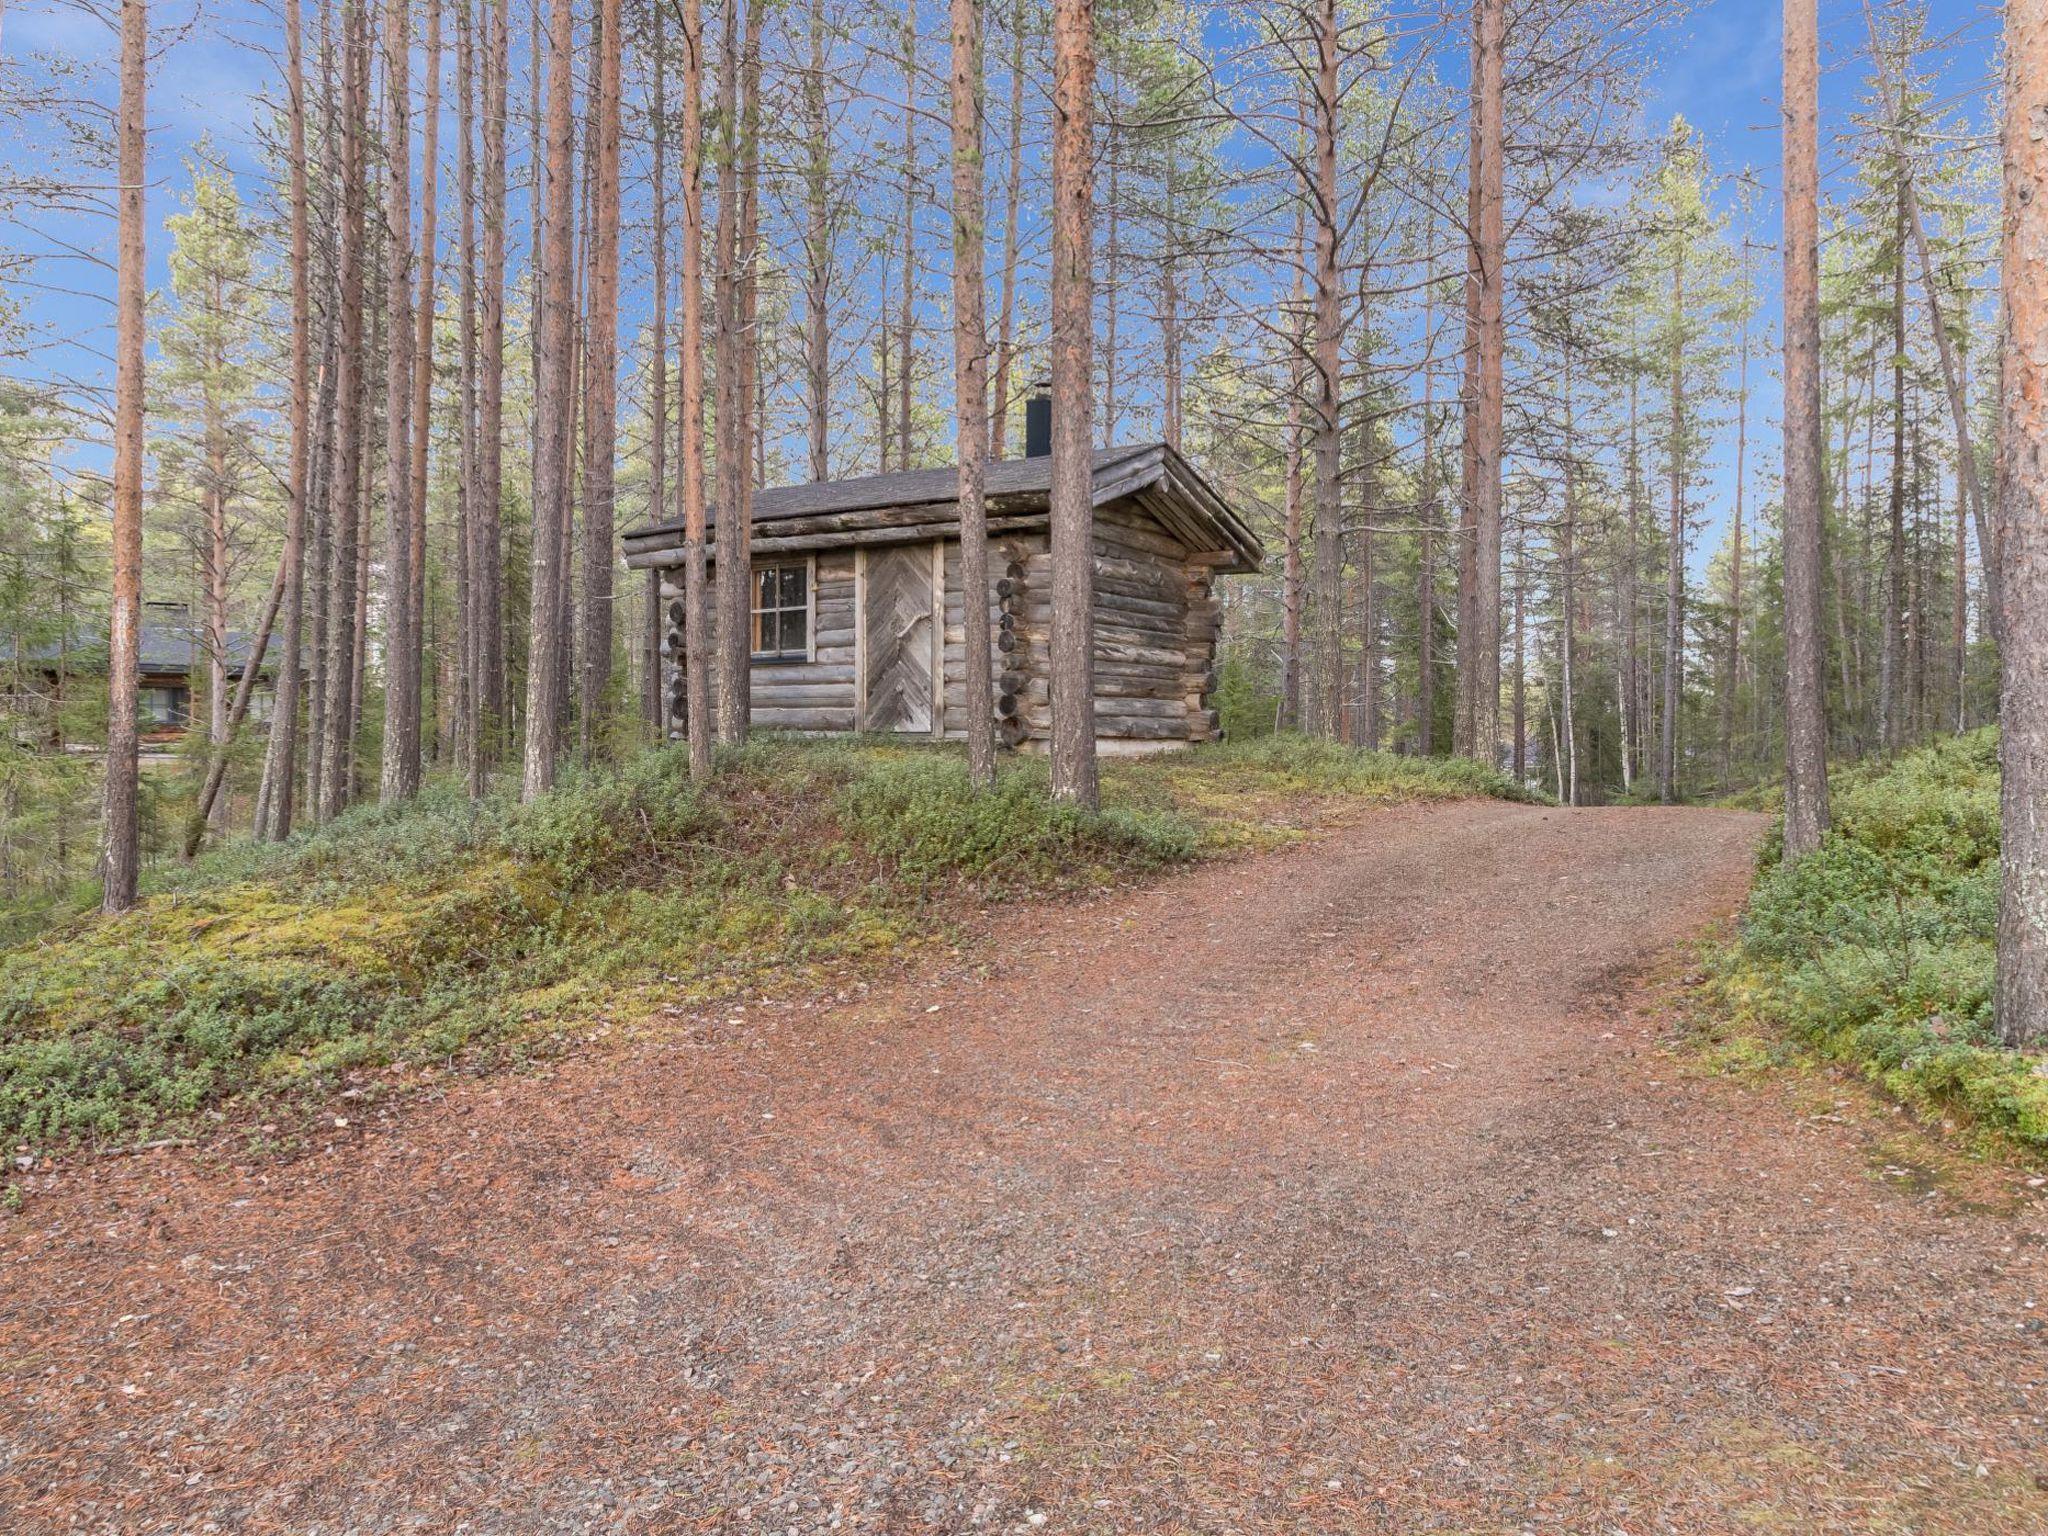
(897, 635)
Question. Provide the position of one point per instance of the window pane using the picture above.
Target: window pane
(794, 623)
(764, 632)
(792, 586)
(764, 588)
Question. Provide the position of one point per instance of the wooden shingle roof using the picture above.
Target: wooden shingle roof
(919, 504)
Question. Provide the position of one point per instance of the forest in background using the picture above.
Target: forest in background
(1286, 206)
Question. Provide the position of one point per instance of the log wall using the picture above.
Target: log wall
(1156, 619)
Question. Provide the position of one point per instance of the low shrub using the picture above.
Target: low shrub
(1877, 949)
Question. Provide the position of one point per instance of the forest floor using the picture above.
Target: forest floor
(1371, 1184)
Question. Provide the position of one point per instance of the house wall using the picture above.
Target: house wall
(1155, 639)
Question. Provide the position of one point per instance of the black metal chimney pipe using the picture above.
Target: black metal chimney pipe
(1038, 426)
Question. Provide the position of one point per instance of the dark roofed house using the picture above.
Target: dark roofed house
(173, 650)
(859, 616)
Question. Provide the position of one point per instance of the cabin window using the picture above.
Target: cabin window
(782, 612)
(161, 709)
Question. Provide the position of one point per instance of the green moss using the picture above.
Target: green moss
(1877, 951)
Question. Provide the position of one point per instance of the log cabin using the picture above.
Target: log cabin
(858, 621)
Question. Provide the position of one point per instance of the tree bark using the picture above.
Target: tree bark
(2022, 543)
(657, 438)
(399, 779)
(1479, 634)
(601, 368)
(350, 392)
(1674, 552)
(906, 319)
(733, 559)
(818, 250)
(555, 409)
(281, 752)
(1806, 781)
(121, 854)
(690, 426)
(1890, 727)
(1328, 363)
(488, 560)
(1072, 499)
(970, 383)
(1013, 191)
(422, 393)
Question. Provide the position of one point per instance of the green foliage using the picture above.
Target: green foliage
(1878, 949)
(1292, 763)
(921, 817)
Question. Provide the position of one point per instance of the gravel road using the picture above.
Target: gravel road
(1357, 1187)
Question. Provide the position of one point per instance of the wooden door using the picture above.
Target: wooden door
(899, 638)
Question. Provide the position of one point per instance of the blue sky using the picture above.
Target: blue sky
(1719, 67)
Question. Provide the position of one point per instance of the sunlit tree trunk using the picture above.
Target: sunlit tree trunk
(281, 752)
(1479, 631)
(697, 627)
(555, 410)
(121, 857)
(1013, 192)
(970, 382)
(2022, 542)
(1806, 741)
(350, 426)
(1072, 507)
(399, 778)
(601, 366)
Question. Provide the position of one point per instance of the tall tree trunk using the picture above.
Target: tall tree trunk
(657, 438)
(1013, 191)
(733, 556)
(1806, 739)
(2022, 542)
(1425, 539)
(350, 392)
(906, 318)
(488, 561)
(1567, 737)
(555, 409)
(1170, 361)
(464, 715)
(1890, 727)
(1073, 388)
(1328, 362)
(1368, 733)
(601, 369)
(422, 393)
(121, 855)
(691, 412)
(215, 560)
(281, 751)
(1479, 631)
(697, 627)
(1731, 677)
(400, 777)
(970, 383)
(1293, 567)
(1674, 561)
(321, 552)
(818, 250)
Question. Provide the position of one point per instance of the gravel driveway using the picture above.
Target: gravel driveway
(1350, 1188)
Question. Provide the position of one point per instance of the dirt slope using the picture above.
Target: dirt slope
(1342, 1189)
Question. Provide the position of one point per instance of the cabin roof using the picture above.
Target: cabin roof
(172, 643)
(1153, 474)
